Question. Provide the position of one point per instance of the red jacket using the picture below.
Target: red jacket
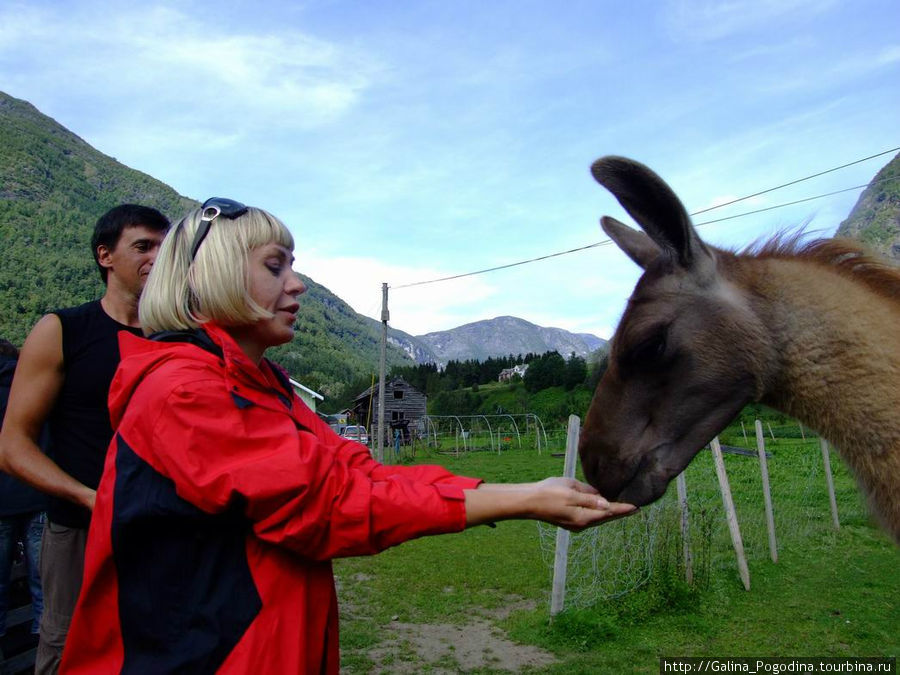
(222, 502)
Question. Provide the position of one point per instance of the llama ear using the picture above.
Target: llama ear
(636, 245)
(654, 206)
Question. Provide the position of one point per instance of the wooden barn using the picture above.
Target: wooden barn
(404, 409)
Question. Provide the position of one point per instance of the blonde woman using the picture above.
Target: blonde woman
(224, 498)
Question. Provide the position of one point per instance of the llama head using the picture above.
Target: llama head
(685, 357)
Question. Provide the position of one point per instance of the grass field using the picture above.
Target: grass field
(831, 593)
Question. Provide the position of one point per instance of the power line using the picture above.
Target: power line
(799, 201)
(794, 182)
(503, 267)
(605, 242)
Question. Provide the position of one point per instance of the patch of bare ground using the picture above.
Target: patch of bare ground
(443, 648)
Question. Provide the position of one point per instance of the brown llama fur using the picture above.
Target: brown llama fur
(845, 256)
(840, 370)
(810, 329)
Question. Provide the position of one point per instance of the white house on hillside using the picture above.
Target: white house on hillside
(507, 373)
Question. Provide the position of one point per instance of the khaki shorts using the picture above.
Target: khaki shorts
(62, 566)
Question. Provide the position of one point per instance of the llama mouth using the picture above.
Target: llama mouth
(638, 489)
(613, 484)
(651, 476)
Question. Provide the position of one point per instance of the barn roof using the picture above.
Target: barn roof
(393, 382)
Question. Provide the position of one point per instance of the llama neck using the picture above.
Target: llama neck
(837, 366)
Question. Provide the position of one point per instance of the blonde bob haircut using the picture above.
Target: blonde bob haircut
(181, 295)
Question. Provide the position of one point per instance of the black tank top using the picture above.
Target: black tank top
(80, 430)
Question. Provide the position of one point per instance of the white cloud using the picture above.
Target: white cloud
(889, 55)
(172, 79)
(707, 20)
(861, 64)
(416, 309)
(581, 293)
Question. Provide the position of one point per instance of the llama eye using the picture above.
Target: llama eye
(648, 352)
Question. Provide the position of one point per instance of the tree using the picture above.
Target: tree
(547, 370)
(597, 371)
(576, 372)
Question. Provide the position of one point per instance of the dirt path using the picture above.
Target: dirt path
(449, 648)
(443, 648)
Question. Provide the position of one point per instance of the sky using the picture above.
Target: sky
(408, 141)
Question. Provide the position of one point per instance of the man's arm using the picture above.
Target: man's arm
(36, 385)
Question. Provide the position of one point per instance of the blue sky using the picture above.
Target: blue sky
(409, 141)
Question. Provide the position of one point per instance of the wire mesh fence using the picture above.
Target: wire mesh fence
(617, 558)
(488, 433)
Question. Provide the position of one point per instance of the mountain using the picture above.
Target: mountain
(505, 335)
(54, 186)
(413, 347)
(875, 220)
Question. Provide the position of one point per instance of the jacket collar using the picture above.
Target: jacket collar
(246, 380)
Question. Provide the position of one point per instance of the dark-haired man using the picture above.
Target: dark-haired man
(63, 377)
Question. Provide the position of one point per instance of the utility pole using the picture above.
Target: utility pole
(385, 315)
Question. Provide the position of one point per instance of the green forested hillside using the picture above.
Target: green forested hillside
(54, 186)
(875, 220)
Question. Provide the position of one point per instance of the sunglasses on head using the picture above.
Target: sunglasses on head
(213, 208)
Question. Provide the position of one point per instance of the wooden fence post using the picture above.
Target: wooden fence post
(558, 594)
(681, 484)
(730, 514)
(830, 481)
(767, 493)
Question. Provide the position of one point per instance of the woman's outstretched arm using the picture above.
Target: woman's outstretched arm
(565, 502)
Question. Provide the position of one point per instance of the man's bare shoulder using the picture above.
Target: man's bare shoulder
(43, 346)
(37, 381)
